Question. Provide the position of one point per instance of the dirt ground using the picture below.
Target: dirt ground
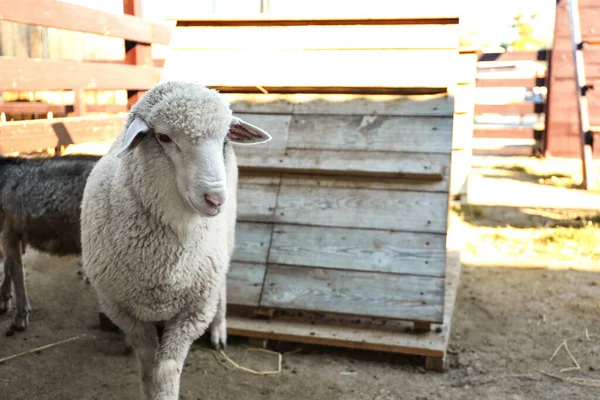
(507, 323)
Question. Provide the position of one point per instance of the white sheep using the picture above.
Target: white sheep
(158, 220)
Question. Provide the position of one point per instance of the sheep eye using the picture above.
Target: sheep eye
(164, 138)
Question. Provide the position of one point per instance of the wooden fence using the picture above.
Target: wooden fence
(510, 103)
(133, 73)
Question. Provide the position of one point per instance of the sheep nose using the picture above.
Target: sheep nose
(216, 199)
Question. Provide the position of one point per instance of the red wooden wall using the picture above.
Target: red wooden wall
(562, 120)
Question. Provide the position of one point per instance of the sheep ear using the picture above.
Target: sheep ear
(136, 132)
(241, 132)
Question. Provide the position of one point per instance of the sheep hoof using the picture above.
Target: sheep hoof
(218, 336)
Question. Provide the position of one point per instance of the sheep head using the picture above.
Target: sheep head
(193, 127)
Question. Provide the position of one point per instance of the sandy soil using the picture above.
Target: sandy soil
(507, 323)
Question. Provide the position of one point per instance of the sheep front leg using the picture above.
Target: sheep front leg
(142, 337)
(11, 244)
(5, 290)
(177, 338)
(218, 326)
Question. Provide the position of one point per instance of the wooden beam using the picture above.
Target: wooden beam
(62, 15)
(541, 55)
(418, 13)
(320, 68)
(320, 37)
(30, 74)
(515, 108)
(523, 82)
(28, 136)
(136, 53)
(32, 108)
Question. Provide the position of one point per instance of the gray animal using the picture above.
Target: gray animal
(40, 205)
(158, 226)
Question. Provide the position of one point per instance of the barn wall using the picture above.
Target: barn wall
(562, 121)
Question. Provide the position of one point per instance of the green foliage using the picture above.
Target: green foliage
(526, 32)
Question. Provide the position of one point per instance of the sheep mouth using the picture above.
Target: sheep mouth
(205, 211)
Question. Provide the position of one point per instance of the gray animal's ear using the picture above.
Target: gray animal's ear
(241, 132)
(136, 132)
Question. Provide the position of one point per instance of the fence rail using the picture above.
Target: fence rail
(133, 73)
(510, 103)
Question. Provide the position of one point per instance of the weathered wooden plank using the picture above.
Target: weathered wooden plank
(392, 336)
(244, 283)
(466, 68)
(364, 208)
(463, 131)
(398, 105)
(441, 12)
(380, 164)
(505, 133)
(29, 74)
(371, 132)
(252, 242)
(277, 126)
(541, 55)
(517, 108)
(359, 250)
(529, 82)
(342, 104)
(62, 15)
(461, 166)
(27, 136)
(32, 108)
(366, 182)
(417, 298)
(464, 98)
(313, 37)
(256, 202)
(386, 68)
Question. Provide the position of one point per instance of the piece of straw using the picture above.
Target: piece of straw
(45, 347)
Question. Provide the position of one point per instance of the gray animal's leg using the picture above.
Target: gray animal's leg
(218, 326)
(141, 336)
(11, 244)
(5, 290)
(175, 344)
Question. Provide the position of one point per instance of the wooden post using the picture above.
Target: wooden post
(585, 134)
(135, 53)
(79, 108)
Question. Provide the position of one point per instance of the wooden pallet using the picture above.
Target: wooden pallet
(361, 333)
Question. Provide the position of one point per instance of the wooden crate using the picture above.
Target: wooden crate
(343, 216)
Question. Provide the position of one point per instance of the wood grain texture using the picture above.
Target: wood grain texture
(342, 104)
(252, 242)
(29, 74)
(244, 283)
(385, 68)
(256, 202)
(311, 37)
(374, 164)
(416, 298)
(368, 335)
(372, 133)
(27, 136)
(371, 209)
(381, 182)
(58, 14)
(359, 250)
